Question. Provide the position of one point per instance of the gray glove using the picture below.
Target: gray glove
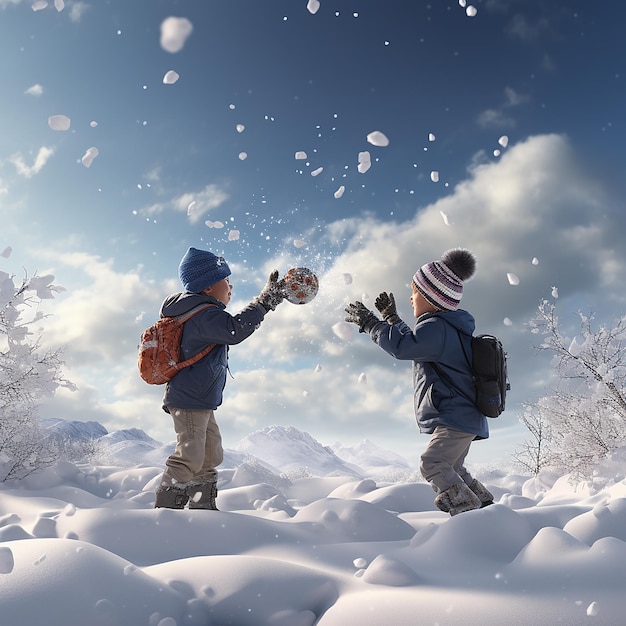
(359, 314)
(272, 294)
(386, 304)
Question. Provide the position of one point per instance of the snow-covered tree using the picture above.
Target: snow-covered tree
(584, 419)
(536, 451)
(28, 373)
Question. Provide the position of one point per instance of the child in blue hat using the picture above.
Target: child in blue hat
(194, 394)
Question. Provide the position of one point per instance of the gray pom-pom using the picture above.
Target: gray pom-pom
(461, 262)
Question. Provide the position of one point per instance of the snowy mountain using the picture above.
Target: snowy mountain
(128, 447)
(293, 451)
(276, 449)
(64, 430)
(129, 434)
(131, 447)
(372, 459)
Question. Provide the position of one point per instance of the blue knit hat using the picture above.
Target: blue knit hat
(200, 269)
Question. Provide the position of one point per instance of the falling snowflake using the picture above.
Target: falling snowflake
(376, 138)
(313, 6)
(59, 122)
(89, 156)
(170, 77)
(365, 162)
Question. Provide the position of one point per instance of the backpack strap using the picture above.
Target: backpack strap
(445, 376)
(182, 319)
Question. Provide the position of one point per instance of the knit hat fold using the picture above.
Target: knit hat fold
(200, 269)
(441, 282)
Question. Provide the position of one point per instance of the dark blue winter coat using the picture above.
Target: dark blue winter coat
(433, 340)
(200, 386)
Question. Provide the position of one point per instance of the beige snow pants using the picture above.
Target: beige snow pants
(198, 448)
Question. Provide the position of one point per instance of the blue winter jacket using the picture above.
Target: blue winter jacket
(200, 386)
(434, 340)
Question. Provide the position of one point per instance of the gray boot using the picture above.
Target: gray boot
(457, 499)
(484, 495)
(170, 498)
(202, 496)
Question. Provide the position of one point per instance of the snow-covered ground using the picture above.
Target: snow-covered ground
(84, 546)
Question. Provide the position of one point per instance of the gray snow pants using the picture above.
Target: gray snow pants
(442, 462)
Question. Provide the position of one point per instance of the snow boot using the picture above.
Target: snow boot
(457, 499)
(484, 495)
(170, 498)
(202, 495)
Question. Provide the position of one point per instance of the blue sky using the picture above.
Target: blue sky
(518, 109)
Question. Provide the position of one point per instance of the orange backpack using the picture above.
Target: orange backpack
(159, 350)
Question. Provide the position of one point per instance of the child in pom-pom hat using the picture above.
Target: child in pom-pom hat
(442, 409)
(192, 396)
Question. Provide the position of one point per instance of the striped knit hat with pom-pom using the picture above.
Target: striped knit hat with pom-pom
(441, 282)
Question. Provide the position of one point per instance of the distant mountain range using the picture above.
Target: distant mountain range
(283, 450)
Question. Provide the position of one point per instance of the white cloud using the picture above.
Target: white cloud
(495, 118)
(528, 30)
(533, 202)
(99, 322)
(154, 175)
(28, 171)
(77, 10)
(196, 205)
(513, 98)
(153, 209)
(309, 399)
(100, 317)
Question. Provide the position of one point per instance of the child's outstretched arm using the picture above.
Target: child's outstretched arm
(398, 339)
(386, 304)
(272, 294)
(359, 314)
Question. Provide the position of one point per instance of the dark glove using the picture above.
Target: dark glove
(386, 304)
(272, 294)
(358, 313)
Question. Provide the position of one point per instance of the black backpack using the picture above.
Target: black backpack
(489, 371)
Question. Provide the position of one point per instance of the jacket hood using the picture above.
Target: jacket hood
(180, 303)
